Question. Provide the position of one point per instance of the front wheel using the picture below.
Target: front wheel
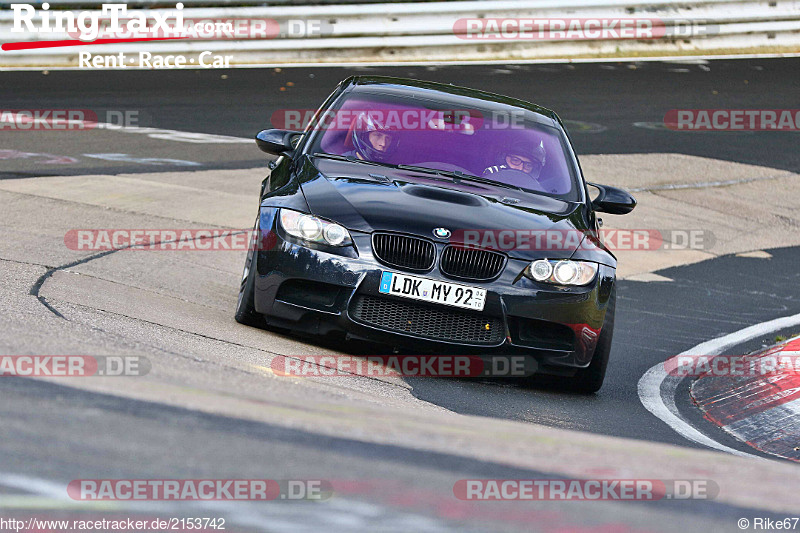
(245, 307)
(589, 380)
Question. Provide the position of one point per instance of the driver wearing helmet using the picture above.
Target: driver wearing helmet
(372, 141)
(520, 156)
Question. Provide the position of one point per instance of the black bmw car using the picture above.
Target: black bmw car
(437, 218)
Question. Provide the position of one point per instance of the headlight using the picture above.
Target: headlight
(312, 229)
(335, 234)
(563, 272)
(541, 270)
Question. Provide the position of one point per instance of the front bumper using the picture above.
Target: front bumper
(323, 291)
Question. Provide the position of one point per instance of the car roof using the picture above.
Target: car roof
(413, 85)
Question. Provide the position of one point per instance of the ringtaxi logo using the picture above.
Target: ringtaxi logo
(199, 489)
(585, 489)
(117, 22)
(86, 25)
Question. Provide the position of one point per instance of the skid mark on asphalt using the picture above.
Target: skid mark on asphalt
(54, 308)
(37, 286)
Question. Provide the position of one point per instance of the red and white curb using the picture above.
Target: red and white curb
(761, 410)
(657, 387)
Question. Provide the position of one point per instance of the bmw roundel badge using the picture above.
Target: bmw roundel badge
(441, 233)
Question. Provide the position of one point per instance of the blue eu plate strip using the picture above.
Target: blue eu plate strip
(386, 282)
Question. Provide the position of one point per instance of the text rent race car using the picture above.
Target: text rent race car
(435, 218)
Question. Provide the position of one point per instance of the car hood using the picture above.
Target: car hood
(371, 198)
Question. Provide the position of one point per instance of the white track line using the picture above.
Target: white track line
(11, 117)
(339, 514)
(41, 487)
(657, 388)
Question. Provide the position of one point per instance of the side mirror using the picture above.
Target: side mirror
(277, 142)
(612, 200)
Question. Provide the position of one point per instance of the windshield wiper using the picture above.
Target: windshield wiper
(488, 181)
(351, 159)
(424, 170)
(459, 176)
(455, 175)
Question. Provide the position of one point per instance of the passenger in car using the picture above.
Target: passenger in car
(523, 158)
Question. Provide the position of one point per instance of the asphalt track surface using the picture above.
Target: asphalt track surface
(241, 102)
(54, 432)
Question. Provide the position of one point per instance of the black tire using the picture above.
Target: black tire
(590, 379)
(245, 306)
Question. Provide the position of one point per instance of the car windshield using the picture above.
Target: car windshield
(510, 146)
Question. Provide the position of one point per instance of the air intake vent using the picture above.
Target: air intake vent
(431, 322)
(403, 252)
(469, 263)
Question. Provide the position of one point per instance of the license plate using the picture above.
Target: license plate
(429, 290)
